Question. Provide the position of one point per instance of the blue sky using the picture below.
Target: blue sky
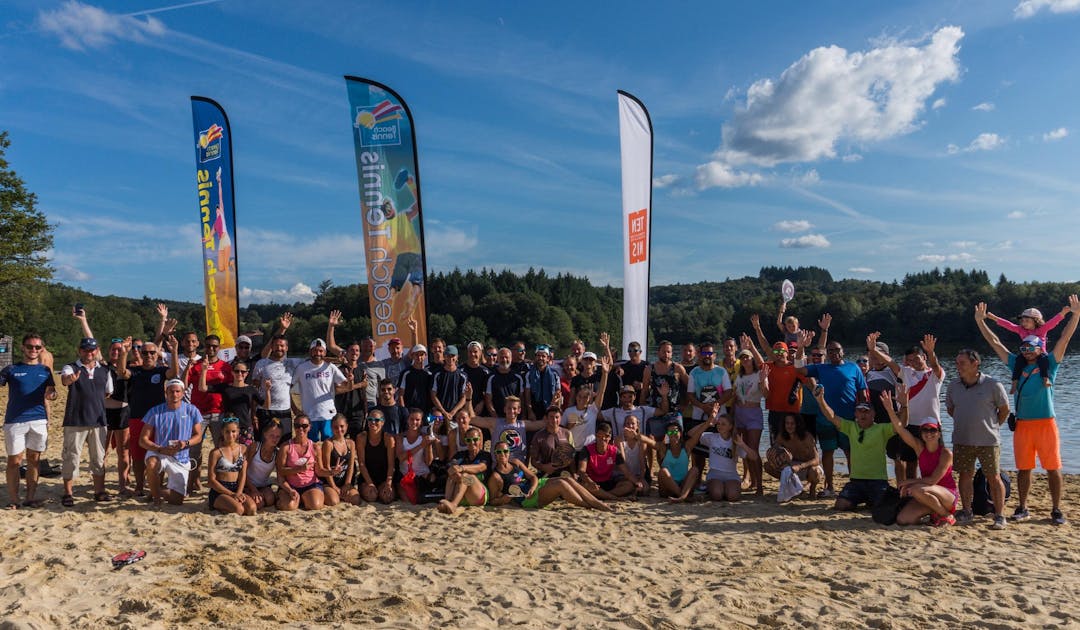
(872, 142)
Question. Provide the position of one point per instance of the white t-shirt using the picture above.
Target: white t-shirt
(924, 392)
(748, 388)
(316, 387)
(722, 456)
(617, 417)
(583, 424)
(280, 374)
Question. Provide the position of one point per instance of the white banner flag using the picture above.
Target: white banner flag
(635, 140)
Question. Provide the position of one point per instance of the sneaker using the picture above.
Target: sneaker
(964, 517)
(827, 493)
(1056, 517)
(1021, 514)
(999, 522)
(942, 521)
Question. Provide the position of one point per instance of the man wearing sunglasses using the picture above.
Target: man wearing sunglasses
(145, 391)
(1036, 432)
(519, 364)
(707, 385)
(26, 423)
(869, 467)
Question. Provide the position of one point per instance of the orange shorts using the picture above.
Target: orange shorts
(1037, 437)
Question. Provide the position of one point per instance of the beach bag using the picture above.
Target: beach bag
(888, 507)
(981, 503)
(790, 485)
(408, 484)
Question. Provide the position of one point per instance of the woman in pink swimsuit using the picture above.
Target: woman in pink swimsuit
(934, 490)
(298, 471)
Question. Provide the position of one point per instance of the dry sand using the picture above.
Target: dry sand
(648, 565)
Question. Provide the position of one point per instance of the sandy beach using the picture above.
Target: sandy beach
(648, 565)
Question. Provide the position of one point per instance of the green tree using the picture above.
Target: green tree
(25, 234)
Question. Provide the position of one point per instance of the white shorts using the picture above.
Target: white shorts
(19, 436)
(176, 473)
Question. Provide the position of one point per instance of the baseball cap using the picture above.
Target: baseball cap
(780, 345)
(419, 348)
(88, 343)
(589, 355)
(451, 351)
(543, 348)
(627, 389)
(394, 340)
(882, 347)
(175, 381)
(1033, 313)
(475, 344)
(930, 421)
(317, 343)
(863, 405)
(1033, 340)
(243, 339)
(744, 354)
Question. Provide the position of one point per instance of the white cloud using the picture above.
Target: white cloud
(939, 103)
(665, 180)
(1008, 244)
(68, 273)
(1057, 134)
(982, 142)
(860, 270)
(962, 244)
(805, 242)
(962, 257)
(984, 107)
(852, 157)
(831, 95)
(717, 174)
(1028, 8)
(1016, 214)
(809, 178)
(80, 26)
(792, 226)
(441, 239)
(298, 292)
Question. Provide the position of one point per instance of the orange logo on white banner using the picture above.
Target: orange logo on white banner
(639, 237)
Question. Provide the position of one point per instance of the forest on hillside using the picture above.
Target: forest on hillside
(501, 307)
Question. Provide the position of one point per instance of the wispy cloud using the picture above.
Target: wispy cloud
(80, 26)
(665, 180)
(982, 142)
(1028, 8)
(805, 242)
(1057, 134)
(860, 270)
(939, 103)
(720, 175)
(1016, 215)
(983, 107)
(852, 157)
(793, 226)
(962, 257)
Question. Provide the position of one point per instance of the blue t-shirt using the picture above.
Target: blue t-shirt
(842, 384)
(26, 391)
(1035, 399)
(173, 424)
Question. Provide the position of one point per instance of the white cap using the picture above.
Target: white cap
(243, 339)
(419, 348)
(589, 355)
(317, 343)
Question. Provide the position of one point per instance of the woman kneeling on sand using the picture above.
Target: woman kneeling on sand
(934, 491)
(297, 467)
(226, 470)
(723, 481)
(339, 461)
(677, 477)
(466, 474)
(795, 447)
(511, 480)
(375, 460)
(262, 461)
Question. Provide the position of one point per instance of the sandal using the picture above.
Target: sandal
(32, 504)
(102, 496)
(67, 501)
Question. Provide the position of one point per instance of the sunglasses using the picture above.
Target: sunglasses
(930, 431)
(857, 360)
(779, 351)
(519, 349)
(230, 420)
(492, 355)
(862, 434)
(30, 347)
(818, 355)
(1028, 348)
(502, 451)
(148, 352)
(308, 426)
(116, 340)
(241, 371)
(673, 432)
(707, 353)
(472, 440)
(375, 419)
(634, 350)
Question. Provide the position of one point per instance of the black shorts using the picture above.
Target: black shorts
(117, 419)
(609, 485)
(688, 425)
(809, 421)
(897, 448)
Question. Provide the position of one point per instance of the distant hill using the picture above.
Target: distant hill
(501, 307)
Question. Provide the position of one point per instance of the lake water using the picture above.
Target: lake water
(1066, 405)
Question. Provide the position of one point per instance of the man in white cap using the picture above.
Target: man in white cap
(169, 431)
(317, 381)
(89, 383)
(243, 351)
(414, 386)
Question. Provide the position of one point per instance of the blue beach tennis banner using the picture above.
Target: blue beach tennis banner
(387, 172)
(217, 220)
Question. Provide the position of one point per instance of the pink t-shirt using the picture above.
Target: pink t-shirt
(601, 466)
(928, 463)
(292, 460)
(1039, 332)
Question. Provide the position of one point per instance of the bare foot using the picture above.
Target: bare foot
(445, 507)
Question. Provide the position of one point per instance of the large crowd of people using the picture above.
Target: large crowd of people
(490, 427)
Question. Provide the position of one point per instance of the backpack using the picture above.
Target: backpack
(890, 504)
(981, 503)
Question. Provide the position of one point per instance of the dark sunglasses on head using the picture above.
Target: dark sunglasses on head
(116, 340)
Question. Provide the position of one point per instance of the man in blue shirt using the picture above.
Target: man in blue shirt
(842, 381)
(1036, 428)
(169, 431)
(26, 421)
